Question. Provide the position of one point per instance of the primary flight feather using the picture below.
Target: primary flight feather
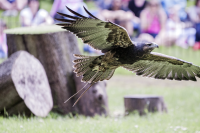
(120, 51)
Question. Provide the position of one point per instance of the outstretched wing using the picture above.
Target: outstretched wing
(99, 34)
(161, 66)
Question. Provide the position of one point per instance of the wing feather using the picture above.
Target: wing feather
(161, 66)
(89, 13)
(99, 34)
(68, 16)
(65, 20)
(75, 13)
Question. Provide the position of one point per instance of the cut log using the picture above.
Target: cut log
(94, 101)
(55, 51)
(144, 103)
(24, 86)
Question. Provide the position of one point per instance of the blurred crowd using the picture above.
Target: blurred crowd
(166, 22)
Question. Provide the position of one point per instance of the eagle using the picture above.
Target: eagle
(120, 51)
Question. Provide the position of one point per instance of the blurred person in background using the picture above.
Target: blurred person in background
(60, 6)
(136, 6)
(6, 5)
(125, 4)
(103, 4)
(3, 42)
(153, 21)
(194, 14)
(180, 6)
(33, 15)
(12, 7)
(173, 28)
(177, 31)
(119, 13)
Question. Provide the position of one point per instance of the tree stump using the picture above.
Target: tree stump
(24, 86)
(54, 47)
(144, 103)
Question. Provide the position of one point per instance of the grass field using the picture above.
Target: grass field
(182, 99)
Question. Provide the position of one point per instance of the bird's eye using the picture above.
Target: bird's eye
(149, 44)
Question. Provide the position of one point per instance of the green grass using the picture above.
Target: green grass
(182, 99)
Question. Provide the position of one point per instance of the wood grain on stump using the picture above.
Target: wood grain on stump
(144, 103)
(24, 86)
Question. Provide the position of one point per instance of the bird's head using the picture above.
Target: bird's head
(147, 47)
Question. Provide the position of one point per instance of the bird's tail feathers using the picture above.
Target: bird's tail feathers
(90, 68)
(83, 67)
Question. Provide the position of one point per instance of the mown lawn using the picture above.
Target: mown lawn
(181, 97)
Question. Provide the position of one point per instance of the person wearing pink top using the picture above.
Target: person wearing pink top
(154, 26)
(153, 18)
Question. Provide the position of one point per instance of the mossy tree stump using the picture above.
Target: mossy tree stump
(54, 47)
(24, 86)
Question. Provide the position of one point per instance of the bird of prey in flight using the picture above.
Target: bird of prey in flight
(120, 51)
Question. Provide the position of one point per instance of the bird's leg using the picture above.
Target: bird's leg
(76, 93)
(82, 88)
(83, 94)
(88, 88)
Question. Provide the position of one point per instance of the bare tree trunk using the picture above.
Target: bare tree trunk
(143, 103)
(55, 51)
(24, 86)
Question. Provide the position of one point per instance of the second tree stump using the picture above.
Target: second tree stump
(143, 103)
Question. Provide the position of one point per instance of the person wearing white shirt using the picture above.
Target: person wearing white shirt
(33, 15)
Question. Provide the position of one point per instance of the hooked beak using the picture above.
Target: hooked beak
(155, 45)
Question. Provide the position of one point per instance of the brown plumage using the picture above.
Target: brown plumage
(120, 51)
